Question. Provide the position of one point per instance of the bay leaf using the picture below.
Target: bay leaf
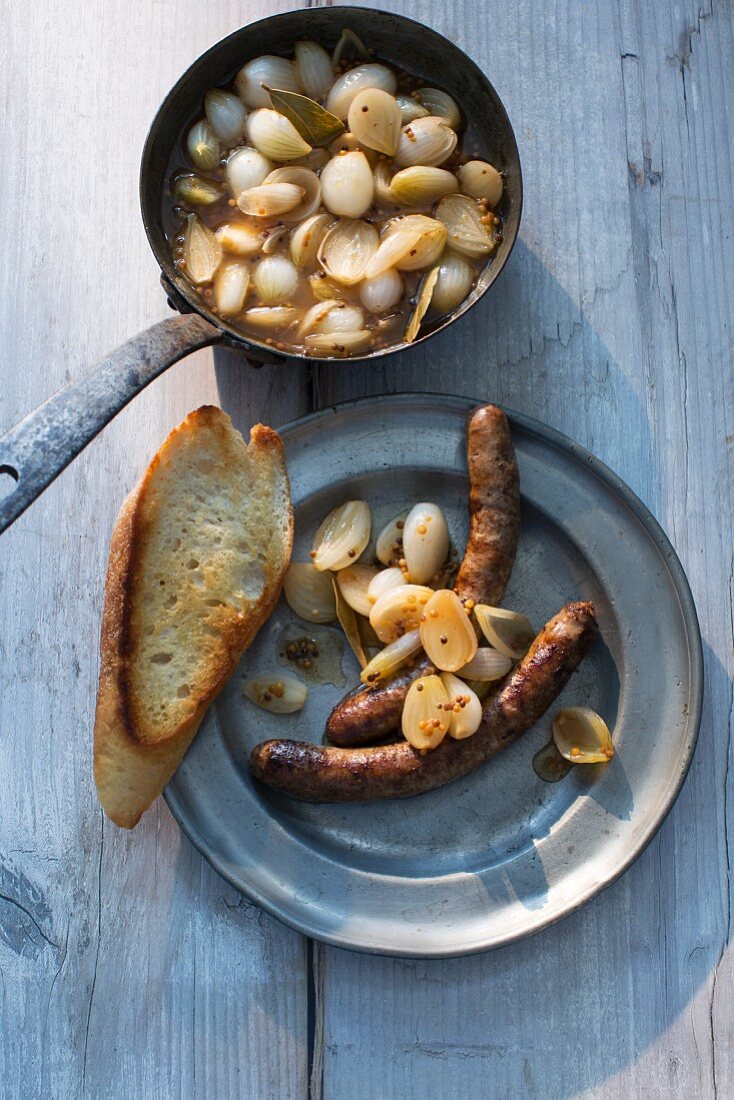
(347, 617)
(368, 635)
(421, 306)
(313, 122)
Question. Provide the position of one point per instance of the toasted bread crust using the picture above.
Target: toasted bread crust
(130, 772)
(129, 776)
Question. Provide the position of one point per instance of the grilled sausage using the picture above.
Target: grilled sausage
(494, 508)
(370, 714)
(314, 773)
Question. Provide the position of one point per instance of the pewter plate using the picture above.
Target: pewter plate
(499, 854)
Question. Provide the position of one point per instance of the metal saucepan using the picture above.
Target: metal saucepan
(37, 449)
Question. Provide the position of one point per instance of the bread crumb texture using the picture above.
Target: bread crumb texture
(212, 521)
(197, 562)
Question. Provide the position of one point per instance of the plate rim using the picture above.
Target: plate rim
(689, 617)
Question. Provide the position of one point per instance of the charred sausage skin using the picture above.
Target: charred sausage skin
(315, 773)
(494, 508)
(370, 714)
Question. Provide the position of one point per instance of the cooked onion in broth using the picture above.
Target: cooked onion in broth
(280, 197)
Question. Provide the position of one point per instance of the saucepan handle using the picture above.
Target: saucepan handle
(37, 449)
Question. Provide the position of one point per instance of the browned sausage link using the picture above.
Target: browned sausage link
(370, 714)
(315, 773)
(494, 508)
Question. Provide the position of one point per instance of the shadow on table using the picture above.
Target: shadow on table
(556, 1015)
(528, 345)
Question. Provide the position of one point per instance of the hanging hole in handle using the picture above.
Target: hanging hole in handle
(9, 478)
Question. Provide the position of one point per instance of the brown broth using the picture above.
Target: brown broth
(387, 329)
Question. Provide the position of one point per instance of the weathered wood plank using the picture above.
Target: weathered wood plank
(613, 322)
(127, 967)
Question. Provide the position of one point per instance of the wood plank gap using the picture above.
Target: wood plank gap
(315, 1019)
(313, 388)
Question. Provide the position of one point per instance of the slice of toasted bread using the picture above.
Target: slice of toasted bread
(197, 560)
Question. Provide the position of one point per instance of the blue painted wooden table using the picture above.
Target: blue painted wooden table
(127, 968)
